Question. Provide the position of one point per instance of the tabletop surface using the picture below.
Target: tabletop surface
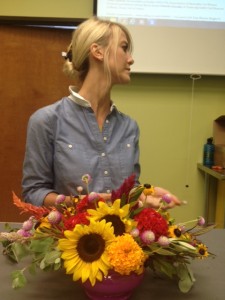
(209, 274)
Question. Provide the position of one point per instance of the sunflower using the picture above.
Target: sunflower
(148, 189)
(84, 250)
(118, 216)
(174, 231)
(42, 224)
(202, 250)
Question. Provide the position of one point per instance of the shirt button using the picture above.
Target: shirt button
(107, 121)
(105, 138)
(108, 191)
(103, 154)
(105, 172)
(70, 146)
(128, 145)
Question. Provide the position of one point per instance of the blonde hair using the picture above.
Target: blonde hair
(94, 30)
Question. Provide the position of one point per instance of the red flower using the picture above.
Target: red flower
(149, 219)
(124, 189)
(80, 218)
(85, 204)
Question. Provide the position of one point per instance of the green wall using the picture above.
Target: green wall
(50, 8)
(175, 116)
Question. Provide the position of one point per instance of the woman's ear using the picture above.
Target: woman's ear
(97, 51)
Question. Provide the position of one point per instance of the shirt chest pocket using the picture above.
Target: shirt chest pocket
(73, 160)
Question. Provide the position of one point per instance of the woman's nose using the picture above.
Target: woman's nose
(130, 60)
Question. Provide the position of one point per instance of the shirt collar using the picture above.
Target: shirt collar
(78, 99)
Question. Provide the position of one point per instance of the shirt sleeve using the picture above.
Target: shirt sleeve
(38, 174)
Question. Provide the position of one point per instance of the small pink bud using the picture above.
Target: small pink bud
(80, 189)
(93, 197)
(54, 217)
(24, 233)
(60, 199)
(167, 198)
(201, 221)
(86, 178)
(163, 241)
(135, 232)
(148, 237)
(27, 225)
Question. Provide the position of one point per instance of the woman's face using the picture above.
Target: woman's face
(120, 61)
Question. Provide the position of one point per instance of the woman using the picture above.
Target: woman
(84, 133)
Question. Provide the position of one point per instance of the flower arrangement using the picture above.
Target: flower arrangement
(92, 236)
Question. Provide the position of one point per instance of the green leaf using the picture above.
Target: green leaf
(136, 211)
(50, 259)
(18, 279)
(19, 250)
(163, 251)
(41, 245)
(165, 267)
(135, 193)
(187, 245)
(185, 284)
(186, 278)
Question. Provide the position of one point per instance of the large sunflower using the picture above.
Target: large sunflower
(118, 216)
(84, 250)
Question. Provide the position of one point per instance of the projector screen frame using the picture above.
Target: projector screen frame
(205, 68)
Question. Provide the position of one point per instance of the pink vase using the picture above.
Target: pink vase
(113, 287)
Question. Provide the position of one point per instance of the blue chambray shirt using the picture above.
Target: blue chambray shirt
(64, 143)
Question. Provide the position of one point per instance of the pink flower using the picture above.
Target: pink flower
(135, 232)
(80, 189)
(148, 237)
(167, 198)
(27, 225)
(60, 199)
(201, 221)
(163, 241)
(86, 178)
(54, 217)
(93, 197)
(24, 233)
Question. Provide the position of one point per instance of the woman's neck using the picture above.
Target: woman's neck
(94, 90)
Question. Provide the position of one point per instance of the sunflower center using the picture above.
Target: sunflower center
(90, 247)
(177, 232)
(118, 225)
(202, 251)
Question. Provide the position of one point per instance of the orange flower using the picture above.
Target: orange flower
(125, 255)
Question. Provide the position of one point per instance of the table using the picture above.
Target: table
(209, 285)
(218, 202)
